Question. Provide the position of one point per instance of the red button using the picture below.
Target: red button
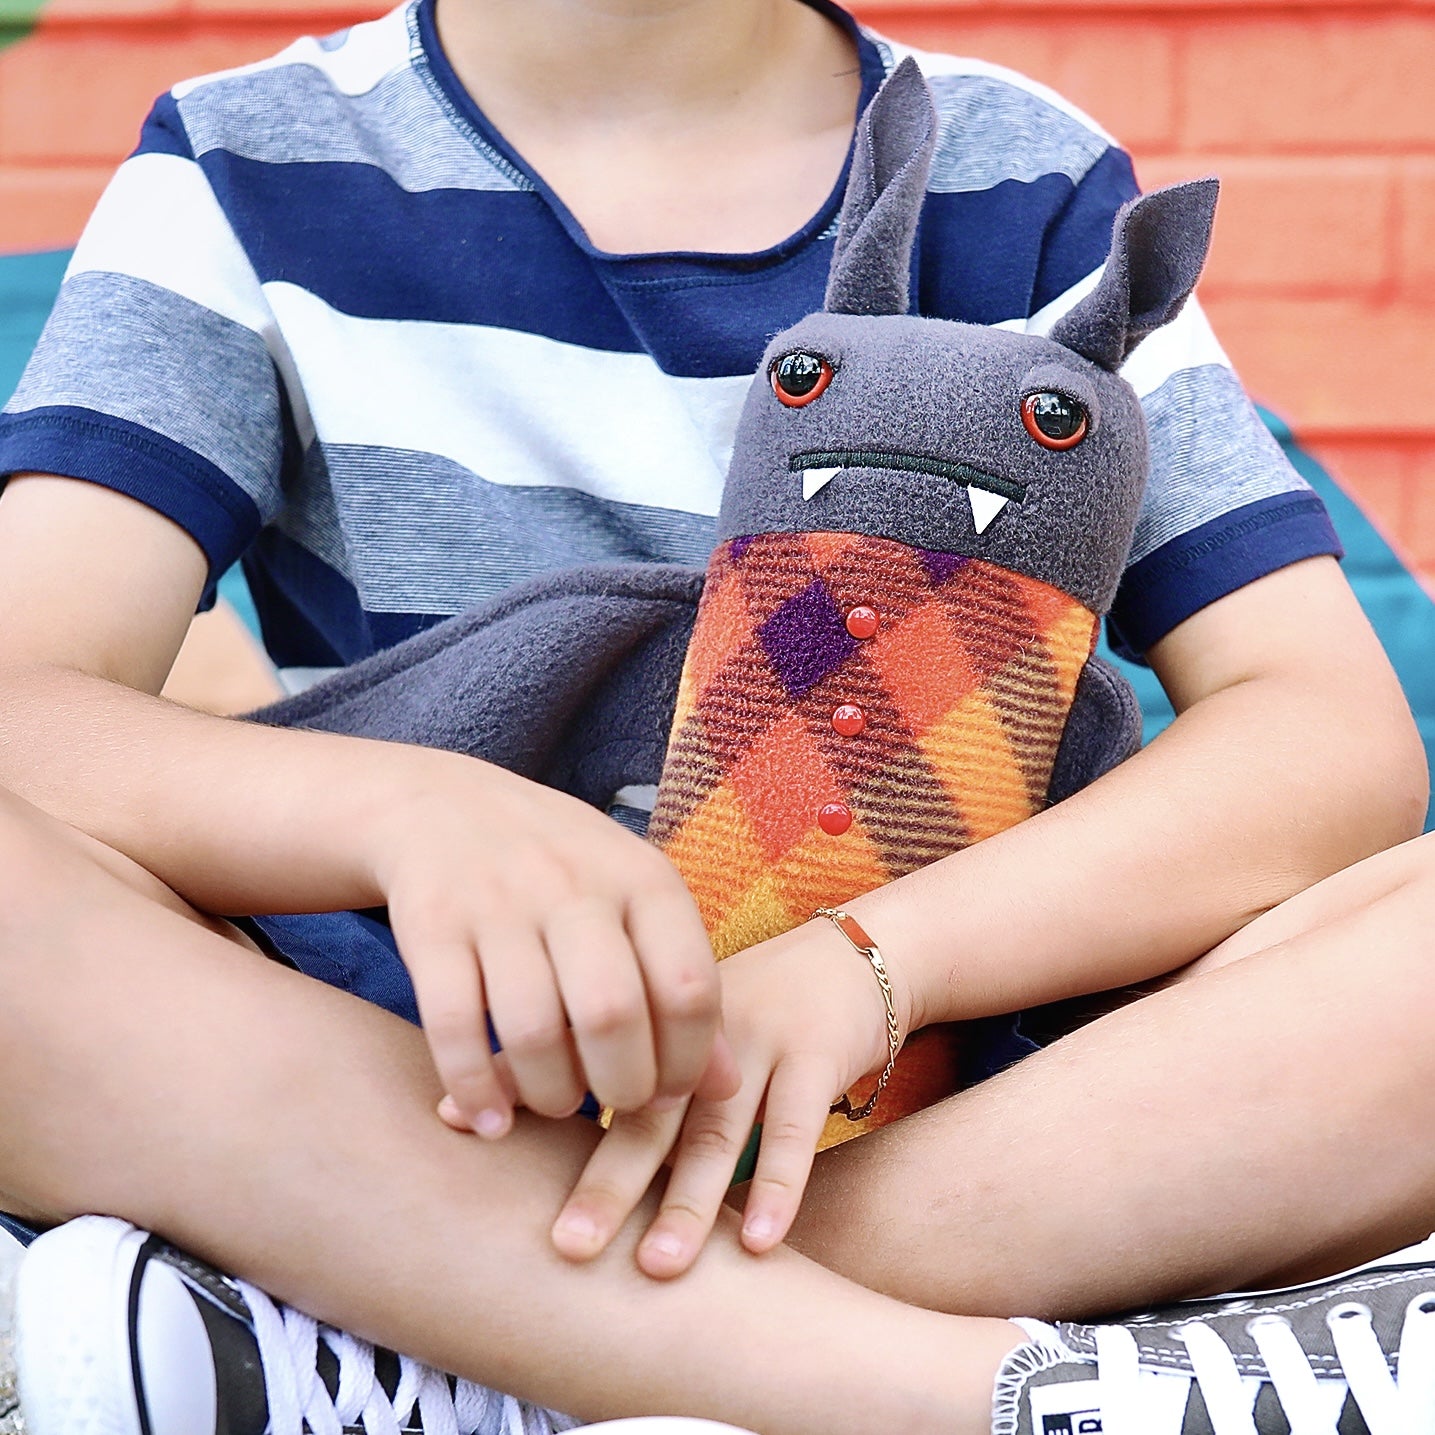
(834, 818)
(849, 720)
(863, 622)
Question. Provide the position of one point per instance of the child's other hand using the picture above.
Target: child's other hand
(806, 1020)
(515, 904)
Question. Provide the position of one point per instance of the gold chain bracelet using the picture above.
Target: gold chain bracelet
(864, 946)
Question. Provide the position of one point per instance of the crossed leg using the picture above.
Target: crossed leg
(1263, 1119)
(153, 1068)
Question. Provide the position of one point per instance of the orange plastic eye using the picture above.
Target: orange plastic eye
(1054, 420)
(800, 377)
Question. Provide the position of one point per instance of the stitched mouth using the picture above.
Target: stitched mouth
(987, 493)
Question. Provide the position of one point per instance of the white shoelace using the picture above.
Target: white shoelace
(288, 1350)
(1311, 1404)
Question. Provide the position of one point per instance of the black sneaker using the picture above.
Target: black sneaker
(110, 1331)
(1353, 1355)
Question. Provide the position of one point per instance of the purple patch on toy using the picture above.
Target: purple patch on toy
(739, 546)
(806, 639)
(941, 566)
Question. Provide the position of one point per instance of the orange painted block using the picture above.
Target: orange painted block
(1294, 225)
(1312, 82)
(328, 14)
(1377, 473)
(118, 74)
(1419, 529)
(1123, 72)
(1332, 367)
(1417, 230)
(110, 12)
(46, 208)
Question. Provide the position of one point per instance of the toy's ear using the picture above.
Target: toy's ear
(1157, 251)
(871, 266)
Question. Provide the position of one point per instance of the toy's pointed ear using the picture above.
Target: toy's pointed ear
(871, 266)
(1157, 251)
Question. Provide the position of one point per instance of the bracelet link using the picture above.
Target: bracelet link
(864, 946)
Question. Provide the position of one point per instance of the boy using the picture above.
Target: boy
(468, 293)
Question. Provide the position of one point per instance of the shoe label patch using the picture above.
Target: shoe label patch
(1067, 1407)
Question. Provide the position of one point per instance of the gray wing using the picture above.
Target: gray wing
(1102, 729)
(569, 679)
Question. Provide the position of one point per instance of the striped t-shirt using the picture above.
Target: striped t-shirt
(329, 321)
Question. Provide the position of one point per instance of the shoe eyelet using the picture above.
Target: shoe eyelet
(1348, 1310)
(1269, 1317)
(1423, 1304)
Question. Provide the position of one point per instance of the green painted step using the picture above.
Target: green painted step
(17, 18)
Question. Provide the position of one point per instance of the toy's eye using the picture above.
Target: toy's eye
(1054, 420)
(800, 377)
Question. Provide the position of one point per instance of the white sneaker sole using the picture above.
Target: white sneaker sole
(72, 1347)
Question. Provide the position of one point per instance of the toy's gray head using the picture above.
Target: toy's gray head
(1027, 452)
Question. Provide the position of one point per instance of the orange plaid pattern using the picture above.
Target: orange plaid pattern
(964, 690)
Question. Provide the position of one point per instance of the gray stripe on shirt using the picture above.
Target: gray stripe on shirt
(1210, 453)
(293, 114)
(417, 533)
(127, 348)
(990, 131)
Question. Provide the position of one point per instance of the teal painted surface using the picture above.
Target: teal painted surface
(28, 283)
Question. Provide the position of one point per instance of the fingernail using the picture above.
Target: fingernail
(759, 1228)
(664, 1244)
(577, 1225)
(490, 1124)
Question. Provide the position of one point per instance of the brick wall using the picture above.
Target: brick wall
(1317, 115)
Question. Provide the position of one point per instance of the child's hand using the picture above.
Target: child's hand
(806, 1020)
(515, 904)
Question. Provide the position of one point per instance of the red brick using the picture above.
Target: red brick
(46, 208)
(1420, 529)
(118, 73)
(1376, 472)
(1333, 367)
(1309, 82)
(330, 13)
(1089, 59)
(1294, 225)
(1417, 229)
(110, 12)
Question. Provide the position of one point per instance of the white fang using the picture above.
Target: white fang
(985, 506)
(814, 480)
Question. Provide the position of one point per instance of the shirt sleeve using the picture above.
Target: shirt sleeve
(153, 376)
(1222, 506)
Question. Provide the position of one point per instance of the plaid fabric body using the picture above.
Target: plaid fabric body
(965, 688)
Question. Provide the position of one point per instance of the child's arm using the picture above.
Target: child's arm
(505, 896)
(1293, 755)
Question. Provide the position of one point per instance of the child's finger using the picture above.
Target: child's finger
(722, 1077)
(615, 1179)
(529, 1019)
(798, 1099)
(684, 993)
(713, 1138)
(449, 988)
(602, 989)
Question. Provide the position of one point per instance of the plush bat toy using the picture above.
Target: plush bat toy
(892, 658)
